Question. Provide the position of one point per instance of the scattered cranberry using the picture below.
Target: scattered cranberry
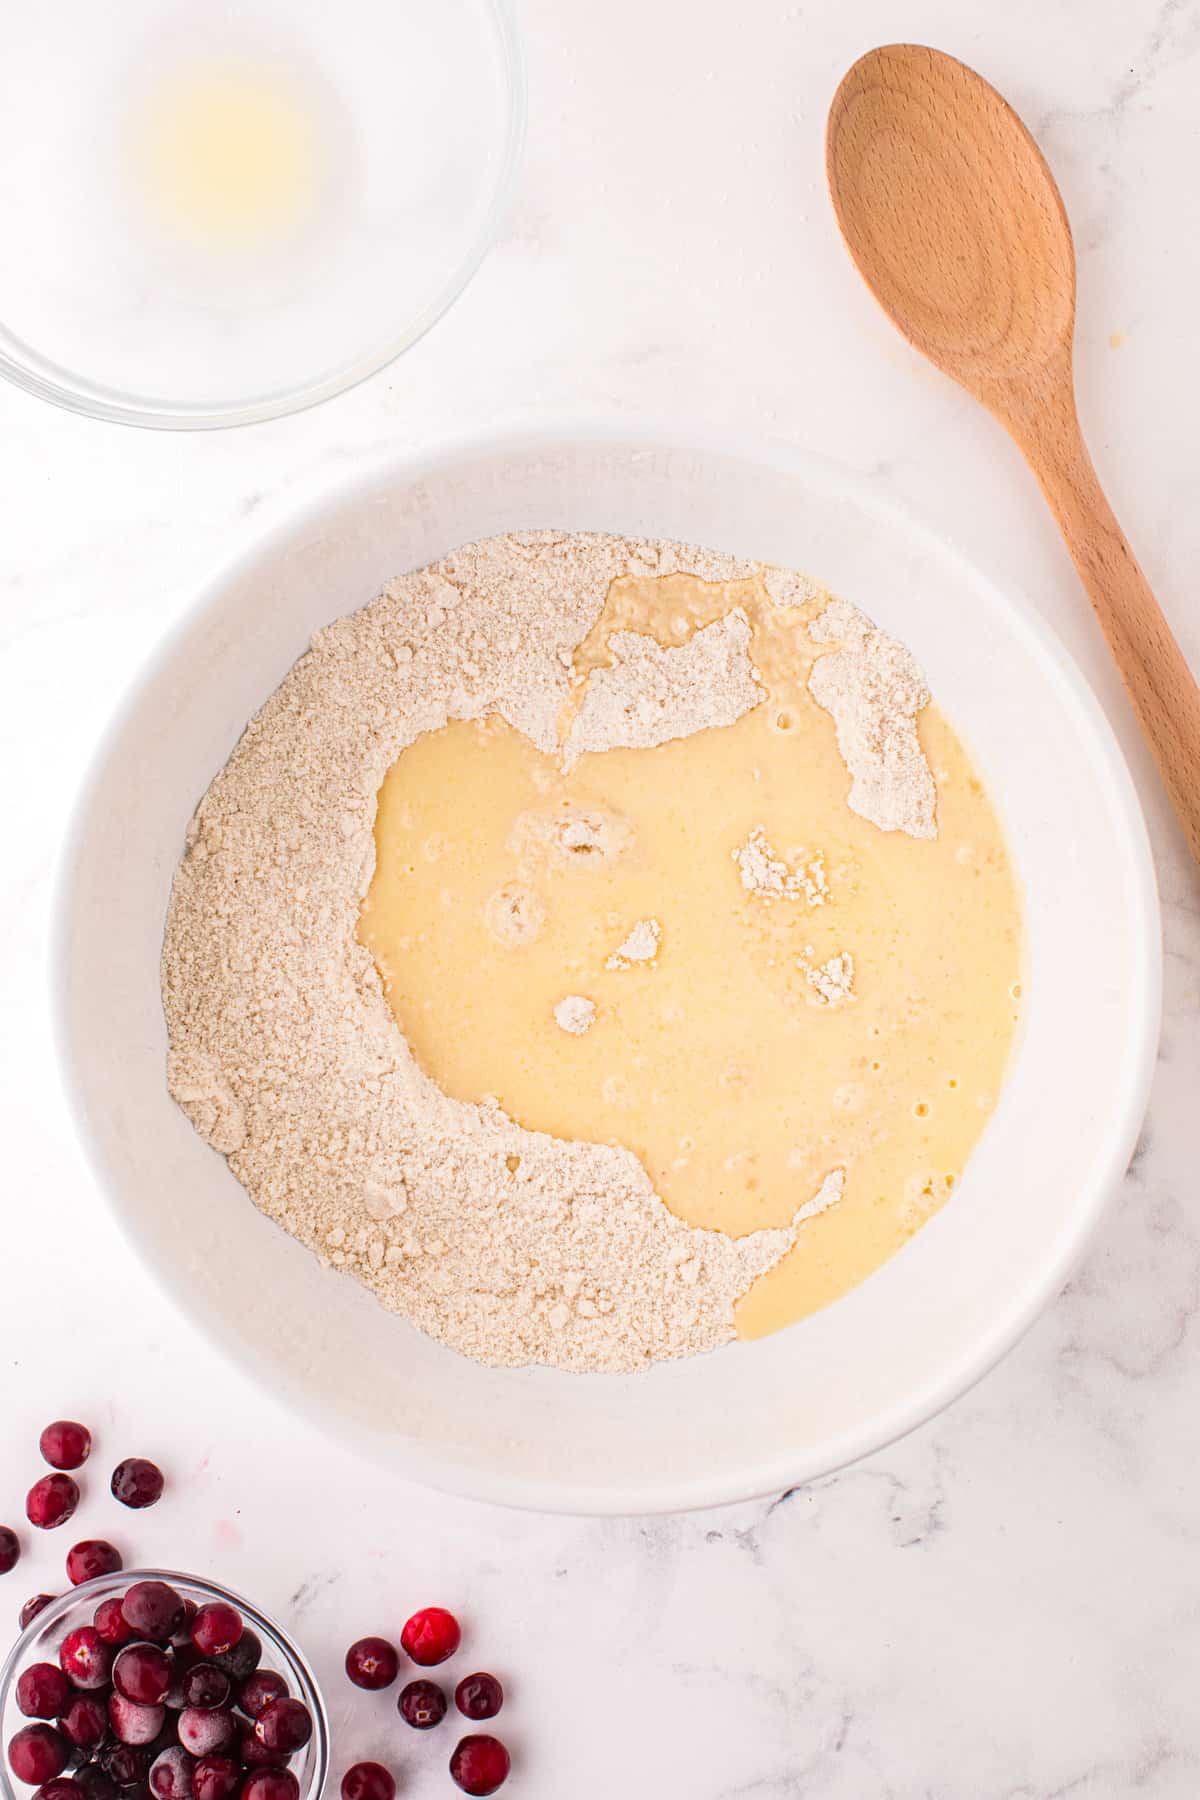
(51, 1501)
(153, 1609)
(422, 1704)
(372, 1663)
(479, 1696)
(205, 1687)
(479, 1764)
(258, 1691)
(38, 1753)
(170, 1775)
(216, 1628)
(272, 1784)
(283, 1725)
(126, 1763)
(206, 1731)
(10, 1549)
(136, 1482)
(65, 1445)
(94, 1556)
(32, 1607)
(368, 1781)
(85, 1658)
(431, 1636)
(240, 1662)
(85, 1722)
(61, 1788)
(216, 1778)
(142, 1673)
(133, 1722)
(111, 1622)
(94, 1783)
(42, 1691)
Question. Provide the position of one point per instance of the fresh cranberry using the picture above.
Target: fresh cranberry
(94, 1556)
(216, 1628)
(216, 1778)
(38, 1753)
(259, 1690)
(42, 1691)
(136, 1482)
(254, 1755)
(65, 1445)
(479, 1696)
(240, 1662)
(10, 1549)
(480, 1764)
(431, 1636)
(32, 1607)
(133, 1722)
(170, 1775)
(422, 1704)
(205, 1687)
(51, 1501)
(126, 1763)
(206, 1731)
(85, 1722)
(111, 1622)
(94, 1783)
(142, 1672)
(271, 1784)
(283, 1725)
(153, 1609)
(371, 1662)
(368, 1781)
(85, 1658)
(61, 1788)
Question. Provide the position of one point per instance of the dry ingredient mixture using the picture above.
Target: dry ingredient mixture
(510, 1244)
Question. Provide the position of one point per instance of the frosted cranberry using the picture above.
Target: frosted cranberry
(111, 1622)
(431, 1636)
(85, 1722)
(422, 1704)
(136, 1482)
(10, 1549)
(126, 1763)
(32, 1607)
(206, 1731)
(51, 1501)
(259, 1690)
(371, 1662)
(240, 1662)
(142, 1672)
(134, 1723)
(153, 1609)
(205, 1687)
(216, 1628)
(85, 1658)
(216, 1778)
(255, 1755)
(272, 1784)
(61, 1788)
(284, 1725)
(170, 1775)
(480, 1764)
(65, 1445)
(38, 1753)
(479, 1696)
(94, 1784)
(368, 1781)
(94, 1556)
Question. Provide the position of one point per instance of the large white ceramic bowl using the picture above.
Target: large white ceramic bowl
(754, 1417)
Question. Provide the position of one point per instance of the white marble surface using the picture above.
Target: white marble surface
(1008, 1603)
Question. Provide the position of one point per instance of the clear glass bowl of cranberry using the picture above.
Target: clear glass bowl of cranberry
(151, 1685)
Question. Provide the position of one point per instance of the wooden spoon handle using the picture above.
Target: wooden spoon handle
(1156, 676)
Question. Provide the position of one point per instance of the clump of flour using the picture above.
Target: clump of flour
(575, 1013)
(639, 946)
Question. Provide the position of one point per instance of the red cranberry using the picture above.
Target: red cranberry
(216, 1778)
(254, 1755)
(170, 1775)
(51, 1501)
(94, 1784)
(422, 1704)
(94, 1556)
(85, 1658)
(10, 1549)
(240, 1662)
(142, 1672)
(111, 1622)
(259, 1690)
(431, 1636)
(65, 1445)
(42, 1691)
(480, 1764)
(38, 1753)
(479, 1696)
(134, 1723)
(368, 1781)
(136, 1482)
(184, 1634)
(272, 1784)
(126, 1763)
(284, 1725)
(85, 1722)
(61, 1788)
(372, 1663)
(206, 1731)
(205, 1687)
(153, 1609)
(33, 1607)
(216, 1628)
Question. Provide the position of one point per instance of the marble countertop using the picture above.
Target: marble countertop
(1006, 1604)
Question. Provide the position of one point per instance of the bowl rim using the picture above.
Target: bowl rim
(23, 365)
(1107, 1155)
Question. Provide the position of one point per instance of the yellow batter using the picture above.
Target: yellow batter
(860, 1021)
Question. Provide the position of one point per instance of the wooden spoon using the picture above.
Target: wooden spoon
(957, 227)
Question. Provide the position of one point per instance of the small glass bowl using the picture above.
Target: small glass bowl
(40, 1642)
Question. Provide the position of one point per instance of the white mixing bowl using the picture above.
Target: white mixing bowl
(753, 1418)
